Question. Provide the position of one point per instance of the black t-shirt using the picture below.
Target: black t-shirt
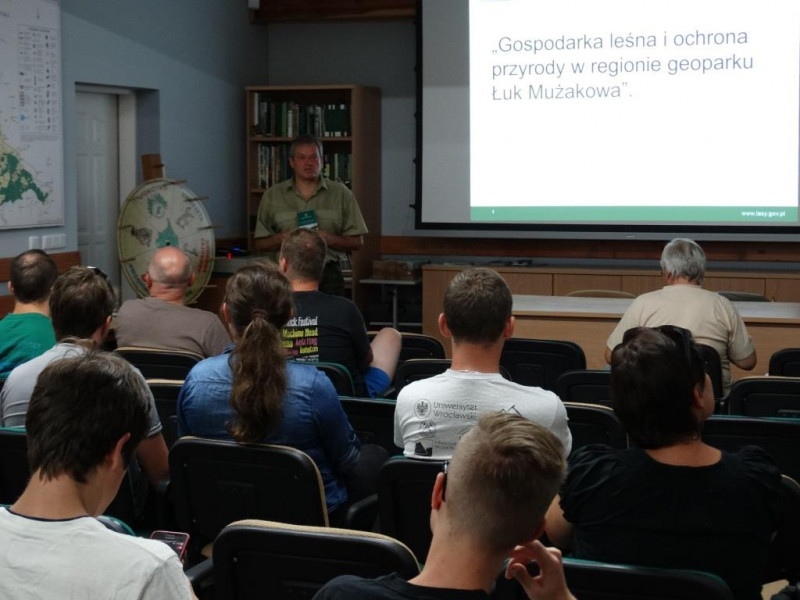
(329, 329)
(628, 508)
(390, 587)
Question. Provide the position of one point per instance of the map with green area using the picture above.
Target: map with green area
(15, 180)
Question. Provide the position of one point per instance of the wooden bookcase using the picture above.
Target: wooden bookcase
(362, 142)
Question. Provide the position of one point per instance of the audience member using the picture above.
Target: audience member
(331, 328)
(27, 332)
(251, 394)
(81, 304)
(432, 414)
(162, 320)
(79, 445)
(489, 504)
(671, 500)
(711, 318)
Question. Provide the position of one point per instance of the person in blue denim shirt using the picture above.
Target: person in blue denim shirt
(251, 394)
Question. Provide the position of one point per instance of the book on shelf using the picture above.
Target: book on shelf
(290, 118)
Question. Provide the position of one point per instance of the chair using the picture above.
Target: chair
(216, 482)
(601, 294)
(14, 470)
(785, 362)
(713, 367)
(415, 369)
(540, 362)
(417, 345)
(340, 377)
(404, 501)
(595, 424)
(160, 363)
(744, 297)
(165, 392)
(779, 437)
(373, 421)
(784, 557)
(765, 397)
(589, 580)
(262, 559)
(584, 386)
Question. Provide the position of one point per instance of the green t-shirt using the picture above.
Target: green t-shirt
(23, 337)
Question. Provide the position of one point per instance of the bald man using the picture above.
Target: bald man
(162, 320)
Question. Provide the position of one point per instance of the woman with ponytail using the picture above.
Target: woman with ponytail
(251, 394)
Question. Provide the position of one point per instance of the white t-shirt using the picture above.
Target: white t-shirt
(81, 558)
(711, 318)
(432, 414)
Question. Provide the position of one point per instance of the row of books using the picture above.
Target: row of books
(272, 165)
(280, 118)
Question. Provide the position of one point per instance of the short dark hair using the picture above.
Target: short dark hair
(80, 407)
(305, 139)
(653, 376)
(504, 474)
(32, 275)
(304, 251)
(477, 306)
(80, 302)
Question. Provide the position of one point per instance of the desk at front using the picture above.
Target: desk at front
(589, 321)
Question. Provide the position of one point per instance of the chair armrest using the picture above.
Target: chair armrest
(362, 515)
(201, 577)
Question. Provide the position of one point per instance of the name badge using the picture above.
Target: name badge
(307, 219)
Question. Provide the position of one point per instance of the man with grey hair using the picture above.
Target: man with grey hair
(487, 506)
(162, 320)
(712, 319)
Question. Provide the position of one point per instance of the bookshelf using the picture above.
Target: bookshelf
(347, 118)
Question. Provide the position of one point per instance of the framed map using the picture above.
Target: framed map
(31, 141)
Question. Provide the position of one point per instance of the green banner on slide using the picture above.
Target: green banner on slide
(639, 214)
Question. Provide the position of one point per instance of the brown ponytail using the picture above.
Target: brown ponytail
(259, 303)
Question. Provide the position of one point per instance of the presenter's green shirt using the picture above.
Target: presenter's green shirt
(23, 337)
(333, 203)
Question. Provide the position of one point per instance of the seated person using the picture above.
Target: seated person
(432, 414)
(488, 505)
(671, 501)
(251, 394)
(712, 319)
(79, 445)
(330, 328)
(26, 332)
(162, 320)
(81, 304)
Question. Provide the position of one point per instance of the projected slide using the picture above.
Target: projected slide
(619, 111)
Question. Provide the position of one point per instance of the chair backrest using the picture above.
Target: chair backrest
(744, 296)
(585, 386)
(14, 471)
(779, 437)
(159, 363)
(165, 392)
(372, 420)
(785, 362)
(589, 580)
(216, 482)
(262, 559)
(713, 367)
(404, 501)
(417, 345)
(340, 377)
(595, 424)
(765, 397)
(416, 369)
(540, 362)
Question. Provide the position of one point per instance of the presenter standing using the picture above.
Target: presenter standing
(312, 201)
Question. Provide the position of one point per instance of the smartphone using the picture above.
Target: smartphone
(176, 540)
